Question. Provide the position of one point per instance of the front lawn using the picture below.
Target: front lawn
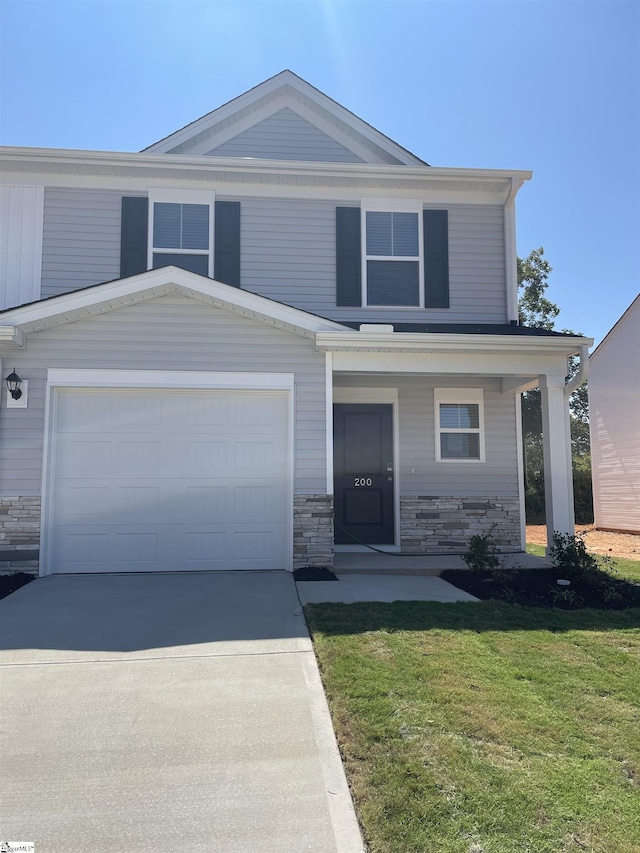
(486, 728)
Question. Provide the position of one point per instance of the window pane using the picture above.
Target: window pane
(469, 415)
(392, 283)
(459, 445)
(166, 226)
(459, 415)
(379, 240)
(449, 417)
(405, 235)
(195, 226)
(193, 263)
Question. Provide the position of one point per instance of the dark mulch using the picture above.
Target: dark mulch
(539, 588)
(10, 583)
(314, 573)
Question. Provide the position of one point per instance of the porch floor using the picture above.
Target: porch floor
(372, 563)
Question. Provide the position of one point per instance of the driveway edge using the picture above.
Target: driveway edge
(339, 802)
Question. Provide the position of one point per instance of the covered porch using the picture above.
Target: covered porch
(444, 480)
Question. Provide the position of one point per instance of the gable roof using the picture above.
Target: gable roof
(285, 91)
(102, 298)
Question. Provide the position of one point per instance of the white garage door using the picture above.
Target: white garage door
(169, 481)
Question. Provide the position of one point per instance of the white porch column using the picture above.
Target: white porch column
(558, 478)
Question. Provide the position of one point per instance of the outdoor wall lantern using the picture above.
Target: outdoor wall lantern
(13, 385)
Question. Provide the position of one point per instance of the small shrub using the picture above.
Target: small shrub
(566, 597)
(569, 553)
(482, 554)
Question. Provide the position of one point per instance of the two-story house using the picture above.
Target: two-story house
(274, 334)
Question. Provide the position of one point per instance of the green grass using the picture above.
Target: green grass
(486, 728)
(627, 569)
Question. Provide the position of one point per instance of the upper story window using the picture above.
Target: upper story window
(459, 422)
(181, 230)
(392, 253)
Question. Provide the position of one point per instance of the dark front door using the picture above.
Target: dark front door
(363, 473)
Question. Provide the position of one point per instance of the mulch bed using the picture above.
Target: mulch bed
(539, 588)
(10, 583)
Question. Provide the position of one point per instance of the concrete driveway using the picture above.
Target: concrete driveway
(166, 712)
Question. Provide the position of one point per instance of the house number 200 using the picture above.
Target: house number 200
(362, 481)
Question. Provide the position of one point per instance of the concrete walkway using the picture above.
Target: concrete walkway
(167, 712)
(353, 587)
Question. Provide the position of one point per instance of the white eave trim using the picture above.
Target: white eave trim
(77, 161)
(127, 291)
(10, 336)
(281, 84)
(434, 342)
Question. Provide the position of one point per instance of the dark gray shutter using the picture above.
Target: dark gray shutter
(348, 256)
(133, 236)
(226, 264)
(436, 258)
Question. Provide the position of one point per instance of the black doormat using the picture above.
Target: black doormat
(314, 573)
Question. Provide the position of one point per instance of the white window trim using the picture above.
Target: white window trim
(391, 205)
(163, 195)
(459, 395)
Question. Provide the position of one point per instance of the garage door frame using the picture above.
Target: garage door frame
(61, 379)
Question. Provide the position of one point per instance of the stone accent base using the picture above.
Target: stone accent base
(432, 524)
(312, 531)
(19, 534)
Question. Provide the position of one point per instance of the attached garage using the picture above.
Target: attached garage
(168, 479)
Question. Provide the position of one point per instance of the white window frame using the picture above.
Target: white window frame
(162, 195)
(391, 205)
(461, 396)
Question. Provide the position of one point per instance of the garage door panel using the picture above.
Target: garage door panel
(205, 488)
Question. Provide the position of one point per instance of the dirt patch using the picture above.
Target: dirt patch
(623, 545)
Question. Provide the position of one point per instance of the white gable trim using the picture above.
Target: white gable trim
(127, 291)
(303, 91)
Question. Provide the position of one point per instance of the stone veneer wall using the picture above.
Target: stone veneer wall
(312, 531)
(19, 534)
(441, 525)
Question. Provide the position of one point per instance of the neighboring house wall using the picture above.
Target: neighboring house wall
(288, 253)
(286, 136)
(168, 333)
(614, 404)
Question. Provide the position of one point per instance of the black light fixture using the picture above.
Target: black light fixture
(13, 385)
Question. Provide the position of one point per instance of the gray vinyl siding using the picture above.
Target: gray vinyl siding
(286, 136)
(288, 254)
(420, 474)
(168, 333)
(81, 239)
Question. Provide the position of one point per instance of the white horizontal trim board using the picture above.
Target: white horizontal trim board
(118, 387)
(169, 379)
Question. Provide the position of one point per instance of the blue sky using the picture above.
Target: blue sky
(549, 85)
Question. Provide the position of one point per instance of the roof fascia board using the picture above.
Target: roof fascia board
(82, 158)
(280, 82)
(110, 158)
(156, 283)
(436, 342)
(485, 364)
(343, 191)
